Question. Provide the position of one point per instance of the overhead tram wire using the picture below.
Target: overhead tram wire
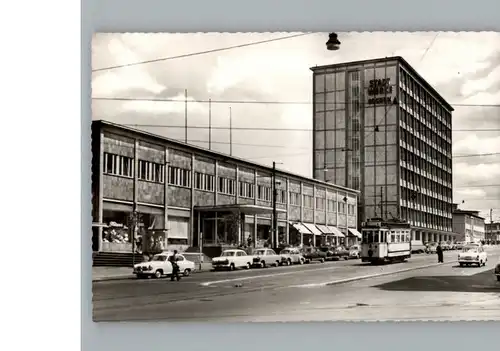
(263, 102)
(277, 129)
(201, 52)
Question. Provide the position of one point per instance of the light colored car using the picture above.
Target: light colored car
(291, 255)
(160, 265)
(472, 254)
(265, 257)
(459, 245)
(232, 259)
(431, 248)
(354, 251)
(417, 246)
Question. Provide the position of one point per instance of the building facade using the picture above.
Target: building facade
(468, 225)
(492, 232)
(195, 197)
(380, 128)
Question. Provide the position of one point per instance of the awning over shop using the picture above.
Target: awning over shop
(245, 209)
(301, 228)
(99, 224)
(354, 232)
(312, 228)
(324, 229)
(336, 231)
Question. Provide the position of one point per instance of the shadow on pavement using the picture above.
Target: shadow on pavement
(484, 282)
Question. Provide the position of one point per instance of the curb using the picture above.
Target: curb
(127, 277)
(364, 277)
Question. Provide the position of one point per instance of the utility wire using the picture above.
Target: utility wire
(269, 102)
(200, 52)
(280, 129)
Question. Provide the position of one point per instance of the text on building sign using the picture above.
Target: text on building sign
(380, 86)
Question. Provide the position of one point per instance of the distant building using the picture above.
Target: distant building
(492, 232)
(188, 193)
(380, 128)
(468, 225)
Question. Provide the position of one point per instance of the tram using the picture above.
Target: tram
(385, 241)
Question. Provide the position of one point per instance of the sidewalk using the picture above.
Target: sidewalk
(121, 273)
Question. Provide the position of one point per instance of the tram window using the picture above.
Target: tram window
(366, 237)
(376, 237)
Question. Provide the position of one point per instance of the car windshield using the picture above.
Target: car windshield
(286, 251)
(228, 253)
(470, 249)
(159, 258)
(260, 252)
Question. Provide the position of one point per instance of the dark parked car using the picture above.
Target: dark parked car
(313, 254)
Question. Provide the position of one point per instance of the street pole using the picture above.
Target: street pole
(230, 132)
(210, 124)
(381, 203)
(186, 116)
(491, 223)
(275, 216)
(201, 249)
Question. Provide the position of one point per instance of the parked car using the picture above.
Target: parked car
(355, 252)
(291, 255)
(472, 254)
(459, 245)
(445, 246)
(265, 257)
(232, 259)
(417, 246)
(497, 270)
(431, 248)
(314, 254)
(160, 266)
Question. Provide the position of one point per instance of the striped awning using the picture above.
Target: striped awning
(301, 228)
(336, 231)
(354, 232)
(312, 228)
(324, 229)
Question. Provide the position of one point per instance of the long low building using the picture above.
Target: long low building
(190, 196)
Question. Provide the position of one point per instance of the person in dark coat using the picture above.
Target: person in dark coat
(439, 251)
(175, 267)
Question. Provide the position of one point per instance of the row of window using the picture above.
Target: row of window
(425, 158)
(425, 129)
(426, 183)
(437, 147)
(422, 96)
(425, 219)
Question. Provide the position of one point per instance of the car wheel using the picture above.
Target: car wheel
(248, 265)
(301, 261)
(187, 271)
(231, 267)
(263, 264)
(322, 260)
(498, 278)
(158, 274)
(289, 262)
(461, 264)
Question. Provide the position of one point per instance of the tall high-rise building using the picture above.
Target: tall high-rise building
(380, 128)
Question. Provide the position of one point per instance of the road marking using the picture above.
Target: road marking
(268, 275)
(376, 275)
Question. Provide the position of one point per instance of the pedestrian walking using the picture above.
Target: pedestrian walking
(175, 267)
(439, 251)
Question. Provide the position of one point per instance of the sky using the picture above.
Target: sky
(463, 67)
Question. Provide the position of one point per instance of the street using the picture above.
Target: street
(315, 292)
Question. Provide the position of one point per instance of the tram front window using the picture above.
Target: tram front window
(370, 237)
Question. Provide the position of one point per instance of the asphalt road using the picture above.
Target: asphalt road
(315, 292)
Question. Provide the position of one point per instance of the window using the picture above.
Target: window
(227, 186)
(320, 203)
(281, 196)
(308, 201)
(295, 199)
(151, 171)
(204, 181)
(350, 210)
(179, 176)
(331, 206)
(341, 207)
(118, 165)
(246, 190)
(264, 193)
